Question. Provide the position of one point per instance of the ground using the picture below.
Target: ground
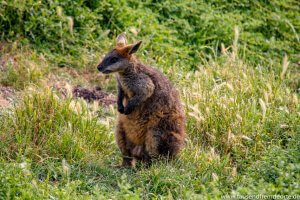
(57, 128)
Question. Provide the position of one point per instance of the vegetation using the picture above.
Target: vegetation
(235, 64)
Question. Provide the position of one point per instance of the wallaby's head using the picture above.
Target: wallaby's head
(118, 59)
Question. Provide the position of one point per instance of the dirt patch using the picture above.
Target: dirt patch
(96, 94)
(7, 95)
(64, 86)
(3, 102)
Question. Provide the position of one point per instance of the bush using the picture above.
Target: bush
(183, 30)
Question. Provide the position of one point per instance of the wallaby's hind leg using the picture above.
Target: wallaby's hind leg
(163, 142)
(124, 145)
(139, 153)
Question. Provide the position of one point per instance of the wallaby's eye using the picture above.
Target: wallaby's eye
(114, 60)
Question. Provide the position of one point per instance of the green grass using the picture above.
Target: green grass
(238, 80)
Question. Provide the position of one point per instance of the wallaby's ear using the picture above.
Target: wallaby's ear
(135, 47)
(129, 49)
(121, 40)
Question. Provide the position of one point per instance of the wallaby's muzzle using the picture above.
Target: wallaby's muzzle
(103, 69)
(100, 67)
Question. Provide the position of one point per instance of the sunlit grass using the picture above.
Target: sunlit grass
(236, 115)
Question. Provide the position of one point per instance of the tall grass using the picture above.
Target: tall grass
(42, 127)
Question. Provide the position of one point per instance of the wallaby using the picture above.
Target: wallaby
(151, 119)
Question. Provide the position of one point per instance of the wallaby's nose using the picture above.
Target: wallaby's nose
(100, 68)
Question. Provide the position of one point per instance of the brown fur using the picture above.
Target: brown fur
(151, 119)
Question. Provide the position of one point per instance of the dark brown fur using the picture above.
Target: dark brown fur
(151, 119)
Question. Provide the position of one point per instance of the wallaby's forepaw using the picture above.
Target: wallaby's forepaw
(128, 110)
(121, 109)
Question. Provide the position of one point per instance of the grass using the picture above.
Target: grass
(240, 91)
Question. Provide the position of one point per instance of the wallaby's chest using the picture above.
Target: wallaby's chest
(135, 131)
(127, 90)
(126, 85)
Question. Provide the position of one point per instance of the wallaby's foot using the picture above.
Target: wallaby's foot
(126, 163)
(133, 163)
